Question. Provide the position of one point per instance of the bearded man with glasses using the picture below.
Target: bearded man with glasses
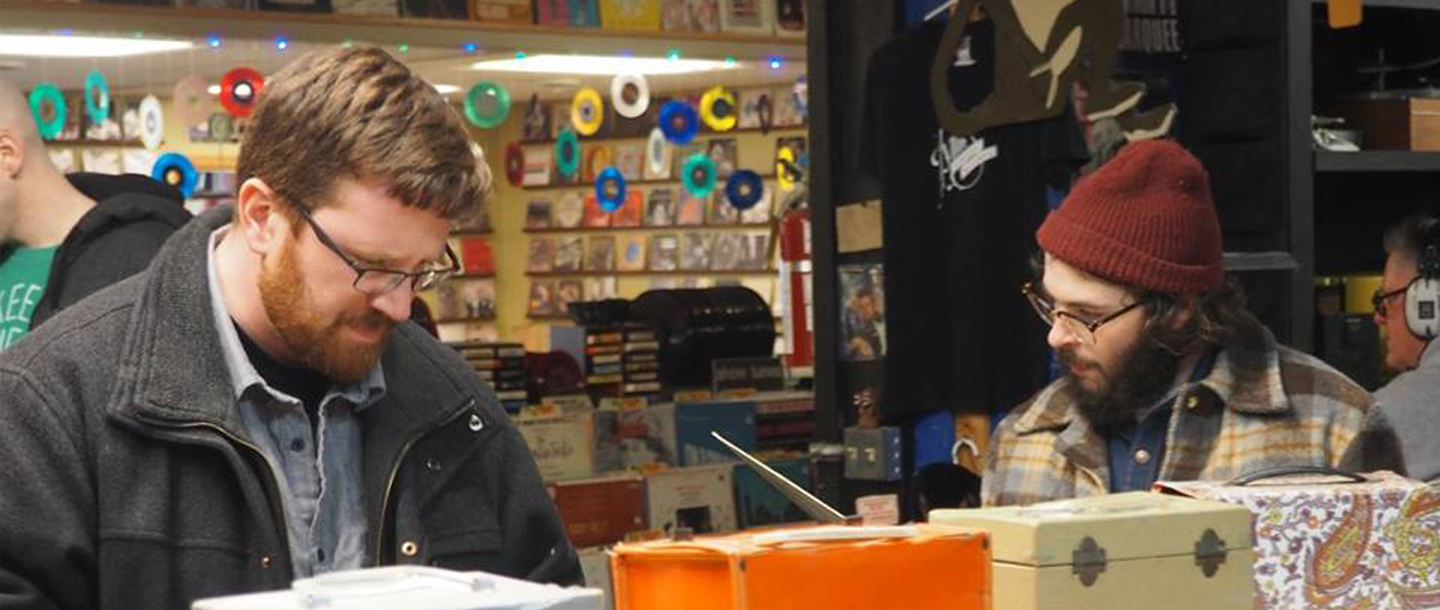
(255, 407)
(1167, 376)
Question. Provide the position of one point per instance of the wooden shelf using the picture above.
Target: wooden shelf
(336, 28)
(465, 320)
(704, 132)
(667, 228)
(678, 272)
(719, 186)
(1376, 161)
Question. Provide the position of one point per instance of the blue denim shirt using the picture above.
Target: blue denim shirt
(1136, 449)
(321, 491)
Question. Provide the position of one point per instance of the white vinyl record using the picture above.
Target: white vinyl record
(152, 123)
(657, 155)
(630, 108)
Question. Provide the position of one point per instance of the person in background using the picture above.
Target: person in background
(57, 245)
(1411, 401)
(1168, 377)
(255, 407)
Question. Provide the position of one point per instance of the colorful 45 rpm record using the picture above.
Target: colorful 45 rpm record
(515, 164)
(699, 175)
(97, 97)
(152, 122)
(657, 153)
(239, 90)
(784, 176)
(610, 189)
(717, 109)
(587, 111)
(630, 95)
(487, 104)
(48, 106)
(744, 189)
(679, 122)
(192, 103)
(765, 111)
(567, 153)
(176, 170)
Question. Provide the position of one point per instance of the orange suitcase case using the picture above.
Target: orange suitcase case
(811, 567)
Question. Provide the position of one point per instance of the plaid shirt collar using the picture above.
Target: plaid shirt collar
(1244, 389)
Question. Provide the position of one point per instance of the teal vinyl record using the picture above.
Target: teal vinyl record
(699, 175)
(97, 97)
(176, 170)
(567, 153)
(487, 104)
(48, 106)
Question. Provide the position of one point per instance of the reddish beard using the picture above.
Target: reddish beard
(320, 346)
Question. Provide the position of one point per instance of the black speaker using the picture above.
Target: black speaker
(698, 325)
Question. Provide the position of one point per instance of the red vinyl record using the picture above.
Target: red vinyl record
(514, 163)
(239, 90)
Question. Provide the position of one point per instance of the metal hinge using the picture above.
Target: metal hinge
(1210, 552)
(1088, 561)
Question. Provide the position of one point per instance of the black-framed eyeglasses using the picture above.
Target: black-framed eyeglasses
(1073, 324)
(1381, 300)
(375, 281)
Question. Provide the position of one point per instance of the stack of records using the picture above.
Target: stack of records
(622, 360)
(502, 365)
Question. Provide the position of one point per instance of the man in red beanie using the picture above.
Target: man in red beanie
(1168, 377)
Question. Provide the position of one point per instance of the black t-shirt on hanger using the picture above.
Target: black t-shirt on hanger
(959, 216)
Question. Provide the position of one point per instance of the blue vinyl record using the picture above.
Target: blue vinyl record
(744, 189)
(679, 121)
(610, 189)
(176, 170)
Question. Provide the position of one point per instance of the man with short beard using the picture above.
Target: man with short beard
(255, 407)
(1167, 376)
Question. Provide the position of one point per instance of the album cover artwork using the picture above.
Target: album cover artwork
(631, 212)
(725, 253)
(632, 253)
(695, 250)
(597, 158)
(747, 16)
(476, 256)
(542, 255)
(567, 292)
(721, 212)
(568, 254)
(660, 207)
(787, 109)
(595, 216)
(536, 127)
(538, 165)
(542, 298)
(600, 253)
(664, 253)
(790, 18)
(723, 153)
(681, 154)
(477, 297)
(760, 213)
(537, 214)
(749, 102)
(755, 251)
(601, 288)
(690, 15)
(862, 324)
(569, 210)
(692, 209)
(630, 160)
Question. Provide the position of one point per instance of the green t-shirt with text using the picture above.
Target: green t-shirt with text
(23, 274)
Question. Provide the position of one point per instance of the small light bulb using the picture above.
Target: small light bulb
(775, 62)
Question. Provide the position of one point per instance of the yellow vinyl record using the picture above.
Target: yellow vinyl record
(718, 110)
(783, 176)
(587, 111)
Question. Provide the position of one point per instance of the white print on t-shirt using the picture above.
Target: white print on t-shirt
(960, 161)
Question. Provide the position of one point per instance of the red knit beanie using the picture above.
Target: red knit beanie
(1144, 219)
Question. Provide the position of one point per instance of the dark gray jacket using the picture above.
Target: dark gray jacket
(126, 480)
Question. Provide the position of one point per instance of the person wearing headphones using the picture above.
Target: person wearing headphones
(1405, 310)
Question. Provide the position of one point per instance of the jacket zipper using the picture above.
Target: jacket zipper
(275, 514)
(395, 471)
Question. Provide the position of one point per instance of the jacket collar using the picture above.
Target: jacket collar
(173, 370)
(1235, 381)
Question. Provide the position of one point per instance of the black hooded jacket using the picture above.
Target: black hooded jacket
(116, 239)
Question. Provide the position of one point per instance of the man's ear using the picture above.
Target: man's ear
(260, 217)
(12, 155)
(1188, 307)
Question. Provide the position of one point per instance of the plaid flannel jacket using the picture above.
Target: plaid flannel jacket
(1293, 411)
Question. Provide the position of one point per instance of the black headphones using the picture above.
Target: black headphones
(1422, 297)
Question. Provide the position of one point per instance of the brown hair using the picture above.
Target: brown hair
(358, 113)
